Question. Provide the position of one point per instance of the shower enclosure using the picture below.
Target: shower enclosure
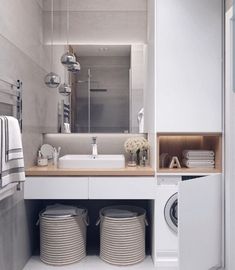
(100, 98)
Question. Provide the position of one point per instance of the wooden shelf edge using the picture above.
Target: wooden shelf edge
(188, 171)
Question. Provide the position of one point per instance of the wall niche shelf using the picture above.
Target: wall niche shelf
(175, 143)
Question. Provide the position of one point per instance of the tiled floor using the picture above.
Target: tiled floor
(90, 263)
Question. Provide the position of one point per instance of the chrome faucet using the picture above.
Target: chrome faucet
(94, 147)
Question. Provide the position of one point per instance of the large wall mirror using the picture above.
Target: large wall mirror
(108, 92)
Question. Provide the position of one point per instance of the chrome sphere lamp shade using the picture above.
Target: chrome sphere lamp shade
(68, 59)
(52, 80)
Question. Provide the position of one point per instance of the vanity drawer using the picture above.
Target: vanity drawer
(122, 188)
(56, 188)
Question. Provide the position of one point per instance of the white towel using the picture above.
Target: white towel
(10, 170)
(198, 154)
(199, 163)
(13, 141)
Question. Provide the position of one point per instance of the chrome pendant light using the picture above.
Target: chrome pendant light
(52, 80)
(68, 58)
(74, 68)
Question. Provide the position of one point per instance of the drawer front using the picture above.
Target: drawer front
(122, 188)
(56, 188)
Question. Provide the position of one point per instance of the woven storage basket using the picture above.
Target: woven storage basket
(122, 235)
(63, 238)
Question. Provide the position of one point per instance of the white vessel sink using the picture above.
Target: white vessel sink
(90, 162)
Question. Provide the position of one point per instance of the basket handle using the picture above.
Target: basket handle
(86, 220)
(98, 222)
(146, 222)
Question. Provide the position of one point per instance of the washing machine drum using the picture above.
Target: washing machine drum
(171, 212)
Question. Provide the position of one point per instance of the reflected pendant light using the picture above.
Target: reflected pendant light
(52, 80)
(65, 89)
(68, 58)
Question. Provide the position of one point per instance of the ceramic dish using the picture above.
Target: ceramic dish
(47, 151)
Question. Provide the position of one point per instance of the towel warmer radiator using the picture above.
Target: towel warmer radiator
(11, 98)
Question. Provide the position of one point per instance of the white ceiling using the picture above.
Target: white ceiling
(102, 50)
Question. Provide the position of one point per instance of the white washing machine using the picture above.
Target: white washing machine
(166, 213)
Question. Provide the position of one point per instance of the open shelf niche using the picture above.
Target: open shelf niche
(175, 143)
(92, 259)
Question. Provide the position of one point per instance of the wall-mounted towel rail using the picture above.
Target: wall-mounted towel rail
(17, 84)
(8, 191)
(64, 114)
(12, 97)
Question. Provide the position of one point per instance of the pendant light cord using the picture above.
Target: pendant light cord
(52, 32)
(67, 6)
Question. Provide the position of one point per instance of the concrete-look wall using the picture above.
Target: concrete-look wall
(81, 143)
(24, 57)
(98, 21)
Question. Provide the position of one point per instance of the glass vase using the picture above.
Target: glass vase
(131, 161)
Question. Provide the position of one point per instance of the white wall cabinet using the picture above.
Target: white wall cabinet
(189, 65)
(56, 188)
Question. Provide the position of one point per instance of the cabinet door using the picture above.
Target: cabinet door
(56, 188)
(200, 219)
(122, 188)
(188, 65)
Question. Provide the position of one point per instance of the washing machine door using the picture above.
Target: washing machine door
(171, 212)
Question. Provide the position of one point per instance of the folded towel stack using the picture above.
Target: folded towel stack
(11, 152)
(199, 158)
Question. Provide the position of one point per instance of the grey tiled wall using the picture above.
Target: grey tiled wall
(17, 219)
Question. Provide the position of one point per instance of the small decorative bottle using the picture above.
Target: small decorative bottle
(144, 158)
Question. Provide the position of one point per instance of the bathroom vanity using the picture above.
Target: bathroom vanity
(199, 210)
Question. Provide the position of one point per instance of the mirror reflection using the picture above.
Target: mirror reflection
(107, 94)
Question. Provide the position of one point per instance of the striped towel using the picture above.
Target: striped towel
(13, 142)
(11, 153)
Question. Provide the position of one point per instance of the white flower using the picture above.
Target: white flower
(134, 144)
